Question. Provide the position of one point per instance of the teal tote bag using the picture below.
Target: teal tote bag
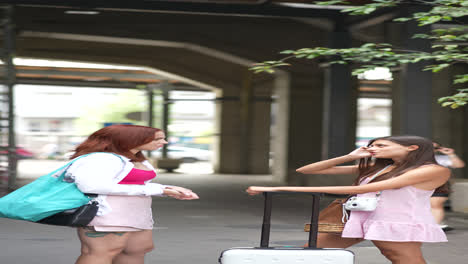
(46, 196)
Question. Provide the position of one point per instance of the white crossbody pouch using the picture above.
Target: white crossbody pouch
(359, 203)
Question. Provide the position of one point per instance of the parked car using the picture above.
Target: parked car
(21, 152)
(186, 154)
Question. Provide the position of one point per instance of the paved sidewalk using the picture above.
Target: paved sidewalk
(198, 231)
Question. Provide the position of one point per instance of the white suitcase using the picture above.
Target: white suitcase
(287, 255)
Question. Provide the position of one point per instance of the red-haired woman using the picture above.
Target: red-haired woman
(401, 181)
(122, 230)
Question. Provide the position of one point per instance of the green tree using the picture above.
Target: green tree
(449, 45)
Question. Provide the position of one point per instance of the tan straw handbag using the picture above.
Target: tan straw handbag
(331, 219)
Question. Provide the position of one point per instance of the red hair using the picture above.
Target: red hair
(118, 139)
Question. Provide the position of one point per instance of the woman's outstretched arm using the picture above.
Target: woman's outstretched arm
(427, 178)
(329, 166)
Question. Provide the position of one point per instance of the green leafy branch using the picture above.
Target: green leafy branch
(442, 10)
(370, 56)
(364, 9)
(456, 100)
(449, 45)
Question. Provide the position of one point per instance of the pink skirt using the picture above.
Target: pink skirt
(129, 213)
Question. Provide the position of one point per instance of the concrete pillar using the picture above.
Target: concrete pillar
(305, 122)
(244, 128)
(338, 111)
(339, 122)
(280, 127)
(298, 126)
(393, 36)
(260, 129)
(228, 124)
(396, 104)
(415, 96)
(450, 126)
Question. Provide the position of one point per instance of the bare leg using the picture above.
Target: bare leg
(100, 247)
(437, 208)
(138, 244)
(401, 252)
(331, 240)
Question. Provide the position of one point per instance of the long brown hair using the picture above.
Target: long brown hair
(118, 139)
(424, 155)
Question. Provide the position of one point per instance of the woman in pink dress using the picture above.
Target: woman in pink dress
(120, 177)
(402, 172)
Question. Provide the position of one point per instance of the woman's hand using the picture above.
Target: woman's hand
(183, 190)
(180, 193)
(254, 190)
(360, 153)
(446, 151)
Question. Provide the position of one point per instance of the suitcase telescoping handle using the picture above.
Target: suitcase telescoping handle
(265, 237)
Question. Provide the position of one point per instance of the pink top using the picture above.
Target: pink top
(402, 215)
(137, 176)
(129, 213)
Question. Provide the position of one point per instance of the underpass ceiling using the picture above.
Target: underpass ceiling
(253, 37)
(172, 43)
(95, 77)
(244, 8)
(139, 23)
(178, 61)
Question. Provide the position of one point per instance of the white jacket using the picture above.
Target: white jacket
(100, 173)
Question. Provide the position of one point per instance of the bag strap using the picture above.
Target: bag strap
(375, 176)
(66, 166)
(379, 172)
